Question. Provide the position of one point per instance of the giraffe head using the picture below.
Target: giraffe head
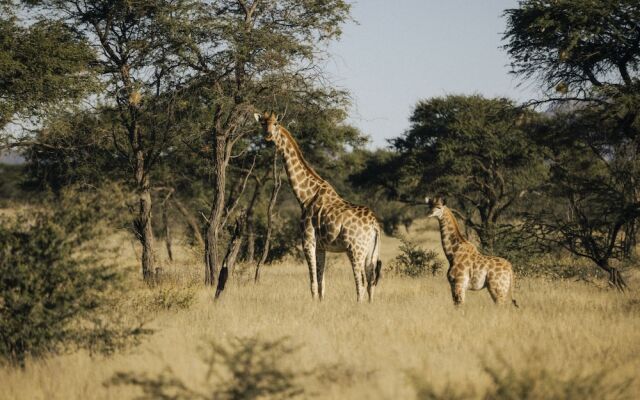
(436, 206)
(269, 122)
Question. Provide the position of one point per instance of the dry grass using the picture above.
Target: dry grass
(412, 332)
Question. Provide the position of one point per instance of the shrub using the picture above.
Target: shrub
(42, 287)
(534, 382)
(243, 368)
(165, 298)
(285, 241)
(414, 261)
(10, 178)
(53, 285)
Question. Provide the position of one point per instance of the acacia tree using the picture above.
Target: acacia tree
(377, 175)
(586, 54)
(474, 150)
(42, 65)
(243, 56)
(190, 73)
(139, 71)
(583, 209)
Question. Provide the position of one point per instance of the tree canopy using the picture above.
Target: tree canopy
(574, 45)
(476, 151)
(588, 53)
(41, 65)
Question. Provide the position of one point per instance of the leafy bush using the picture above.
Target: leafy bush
(286, 240)
(10, 179)
(244, 368)
(53, 285)
(43, 287)
(166, 298)
(533, 257)
(414, 261)
(394, 214)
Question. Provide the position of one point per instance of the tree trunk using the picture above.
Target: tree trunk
(215, 217)
(143, 227)
(230, 257)
(191, 221)
(629, 243)
(488, 236)
(167, 228)
(250, 253)
(250, 222)
(242, 224)
(277, 183)
(615, 278)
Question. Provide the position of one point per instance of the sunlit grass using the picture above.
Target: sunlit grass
(358, 350)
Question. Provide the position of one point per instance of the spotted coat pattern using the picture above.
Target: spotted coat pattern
(329, 223)
(468, 268)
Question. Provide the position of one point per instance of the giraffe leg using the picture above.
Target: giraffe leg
(371, 287)
(357, 264)
(309, 247)
(320, 261)
(496, 295)
(499, 288)
(458, 289)
(370, 271)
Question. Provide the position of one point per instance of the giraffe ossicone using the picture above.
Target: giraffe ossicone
(468, 268)
(329, 223)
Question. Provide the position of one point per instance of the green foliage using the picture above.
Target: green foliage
(415, 262)
(574, 45)
(376, 180)
(378, 174)
(554, 265)
(478, 152)
(535, 382)
(393, 214)
(40, 65)
(74, 148)
(286, 239)
(11, 177)
(243, 368)
(179, 75)
(590, 52)
(585, 210)
(41, 290)
(54, 286)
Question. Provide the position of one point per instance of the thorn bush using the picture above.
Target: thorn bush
(414, 261)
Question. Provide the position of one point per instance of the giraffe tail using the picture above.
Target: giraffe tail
(376, 254)
(378, 270)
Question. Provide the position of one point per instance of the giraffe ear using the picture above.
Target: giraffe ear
(256, 116)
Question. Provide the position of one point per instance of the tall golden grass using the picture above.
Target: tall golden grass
(410, 338)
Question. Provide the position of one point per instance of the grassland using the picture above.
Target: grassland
(411, 342)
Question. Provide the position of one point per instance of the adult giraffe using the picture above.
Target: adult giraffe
(329, 223)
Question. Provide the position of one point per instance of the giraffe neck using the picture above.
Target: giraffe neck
(305, 182)
(450, 233)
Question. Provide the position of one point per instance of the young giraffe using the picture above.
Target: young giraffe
(329, 223)
(468, 268)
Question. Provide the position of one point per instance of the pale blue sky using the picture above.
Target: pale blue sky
(406, 50)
